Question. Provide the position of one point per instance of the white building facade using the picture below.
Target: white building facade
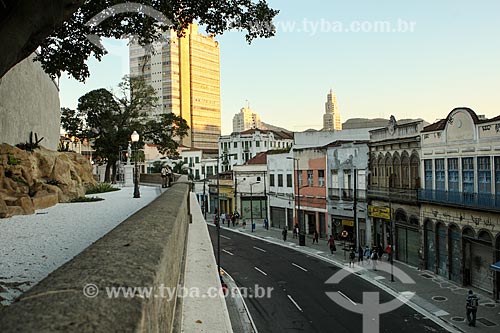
(245, 120)
(243, 146)
(460, 199)
(280, 170)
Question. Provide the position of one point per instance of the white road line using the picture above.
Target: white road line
(347, 298)
(225, 237)
(295, 303)
(261, 271)
(299, 267)
(228, 252)
(258, 248)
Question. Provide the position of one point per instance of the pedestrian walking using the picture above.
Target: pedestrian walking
(331, 243)
(388, 250)
(216, 218)
(352, 257)
(360, 255)
(471, 308)
(223, 217)
(233, 219)
(380, 251)
(316, 235)
(266, 224)
(368, 254)
(284, 233)
(374, 258)
(295, 230)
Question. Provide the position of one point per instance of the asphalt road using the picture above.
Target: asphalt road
(298, 301)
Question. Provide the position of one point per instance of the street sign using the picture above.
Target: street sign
(380, 212)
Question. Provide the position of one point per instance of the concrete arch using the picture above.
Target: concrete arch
(468, 231)
(401, 213)
(485, 235)
(414, 220)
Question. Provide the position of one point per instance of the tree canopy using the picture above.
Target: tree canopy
(59, 29)
(107, 119)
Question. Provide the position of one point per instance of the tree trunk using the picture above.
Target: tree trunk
(114, 178)
(108, 171)
(27, 23)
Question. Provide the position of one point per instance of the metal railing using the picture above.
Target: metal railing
(464, 199)
(393, 194)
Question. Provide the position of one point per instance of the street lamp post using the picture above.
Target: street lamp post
(251, 204)
(135, 139)
(302, 235)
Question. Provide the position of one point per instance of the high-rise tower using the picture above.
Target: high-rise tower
(331, 118)
(185, 73)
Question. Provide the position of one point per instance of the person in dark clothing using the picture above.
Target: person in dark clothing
(360, 255)
(471, 308)
(284, 233)
(316, 235)
(331, 243)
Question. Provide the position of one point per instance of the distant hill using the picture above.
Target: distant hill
(355, 123)
(270, 127)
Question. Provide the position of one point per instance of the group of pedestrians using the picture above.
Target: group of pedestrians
(229, 218)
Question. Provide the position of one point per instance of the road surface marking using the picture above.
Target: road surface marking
(225, 237)
(261, 271)
(347, 298)
(258, 248)
(441, 313)
(295, 303)
(319, 252)
(228, 252)
(379, 277)
(302, 268)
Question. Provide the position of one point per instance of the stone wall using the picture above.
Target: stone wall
(146, 250)
(29, 101)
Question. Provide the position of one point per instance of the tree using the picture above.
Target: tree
(59, 29)
(107, 119)
(180, 167)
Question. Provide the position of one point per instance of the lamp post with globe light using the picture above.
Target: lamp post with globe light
(135, 139)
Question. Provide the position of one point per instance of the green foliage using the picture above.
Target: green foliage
(101, 188)
(157, 166)
(20, 180)
(31, 144)
(13, 160)
(85, 199)
(68, 48)
(180, 167)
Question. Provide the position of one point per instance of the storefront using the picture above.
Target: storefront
(278, 217)
(407, 242)
(381, 217)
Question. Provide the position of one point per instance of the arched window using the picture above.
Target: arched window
(374, 171)
(388, 170)
(414, 171)
(405, 170)
(381, 171)
(396, 171)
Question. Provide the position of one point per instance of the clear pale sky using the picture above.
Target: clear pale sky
(451, 59)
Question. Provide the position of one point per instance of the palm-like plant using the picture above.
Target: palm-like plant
(180, 167)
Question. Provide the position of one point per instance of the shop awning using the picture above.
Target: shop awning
(495, 266)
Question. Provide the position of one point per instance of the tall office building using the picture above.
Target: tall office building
(331, 118)
(185, 73)
(245, 120)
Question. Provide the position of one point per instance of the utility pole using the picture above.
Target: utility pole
(355, 209)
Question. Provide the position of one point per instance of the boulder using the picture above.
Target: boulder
(40, 179)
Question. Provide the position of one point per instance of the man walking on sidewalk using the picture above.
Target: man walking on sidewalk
(471, 306)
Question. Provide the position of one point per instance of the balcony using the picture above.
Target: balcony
(346, 194)
(403, 195)
(468, 200)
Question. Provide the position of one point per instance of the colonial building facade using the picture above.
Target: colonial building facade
(394, 181)
(460, 199)
(281, 187)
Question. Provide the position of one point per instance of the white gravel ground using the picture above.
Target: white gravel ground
(32, 246)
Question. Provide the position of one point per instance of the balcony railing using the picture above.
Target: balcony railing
(464, 199)
(393, 194)
(346, 194)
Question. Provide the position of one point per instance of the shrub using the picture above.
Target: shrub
(101, 188)
(85, 199)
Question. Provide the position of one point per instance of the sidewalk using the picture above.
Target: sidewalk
(435, 296)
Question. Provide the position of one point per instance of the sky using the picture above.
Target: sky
(417, 59)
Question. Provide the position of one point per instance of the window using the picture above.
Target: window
(299, 178)
(440, 174)
(453, 175)
(321, 178)
(197, 159)
(497, 175)
(271, 179)
(280, 180)
(235, 144)
(196, 174)
(468, 174)
(210, 170)
(289, 182)
(185, 160)
(258, 179)
(257, 144)
(202, 169)
(310, 179)
(484, 174)
(335, 179)
(428, 174)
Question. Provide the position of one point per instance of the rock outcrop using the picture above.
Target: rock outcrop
(40, 179)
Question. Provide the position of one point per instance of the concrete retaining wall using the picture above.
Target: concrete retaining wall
(146, 250)
(29, 101)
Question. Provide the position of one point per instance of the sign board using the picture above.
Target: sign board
(349, 223)
(380, 212)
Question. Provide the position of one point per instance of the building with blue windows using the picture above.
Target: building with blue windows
(460, 198)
